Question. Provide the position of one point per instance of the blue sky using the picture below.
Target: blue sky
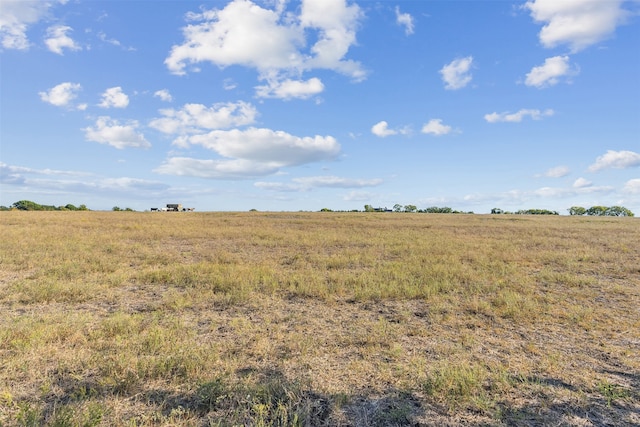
(301, 105)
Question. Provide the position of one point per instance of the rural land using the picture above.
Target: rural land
(356, 319)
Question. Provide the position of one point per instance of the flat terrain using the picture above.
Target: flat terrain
(318, 319)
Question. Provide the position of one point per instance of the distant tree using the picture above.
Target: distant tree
(116, 209)
(436, 209)
(129, 210)
(618, 211)
(83, 208)
(325, 210)
(597, 211)
(536, 212)
(369, 208)
(5, 208)
(410, 208)
(27, 205)
(253, 210)
(397, 207)
(577, 210)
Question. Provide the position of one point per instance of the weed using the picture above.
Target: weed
(612, 392)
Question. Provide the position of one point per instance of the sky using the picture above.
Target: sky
(281, 105)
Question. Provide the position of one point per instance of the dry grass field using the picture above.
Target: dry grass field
(318, 319)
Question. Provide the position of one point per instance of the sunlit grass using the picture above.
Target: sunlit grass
(121, 318)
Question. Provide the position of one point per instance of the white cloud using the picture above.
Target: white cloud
(216, 169)
(336, 24)
(632, 186)
(197, 118)
(271, 40)
(57, 39)
(435, 127)
(62, 94)
(405, 20)
(288, 89)
(114, 97)
(15, 18)
(56, 182)
(111, 132)
(557, 172)
(456, 74)
(582, 183)
(242, 33)
(576, 23)
(382, 130)
(17, 175)
(616, 160)
(518, 116)
(276, 148)
(164, 95)
(549, 73)
(246, 153)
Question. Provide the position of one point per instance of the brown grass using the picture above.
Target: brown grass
(358, 319)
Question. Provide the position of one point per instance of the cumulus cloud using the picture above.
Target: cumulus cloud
(517, 116)
(272, 41)
(245, 152)
(435, 127)
(557, 172)
(582, 183)
(632, 186)
(61, 95)
(289, 89)
(549, 73)
(111, 132)
(198, 118)
(114, 97)
(616, 160)
(405, 20)
(249, 153)
(456, 74)
(335, 24)
(267, 146)
(57, 39)
(15, 18)
(577, 23)
(382, 130)
(216, 169)
(164, 95)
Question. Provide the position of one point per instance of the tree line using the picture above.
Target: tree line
(28, 205)
(600, 211)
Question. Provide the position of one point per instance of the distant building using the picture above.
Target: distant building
(173, 207)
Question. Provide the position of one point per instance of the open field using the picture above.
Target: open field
(312, 319)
